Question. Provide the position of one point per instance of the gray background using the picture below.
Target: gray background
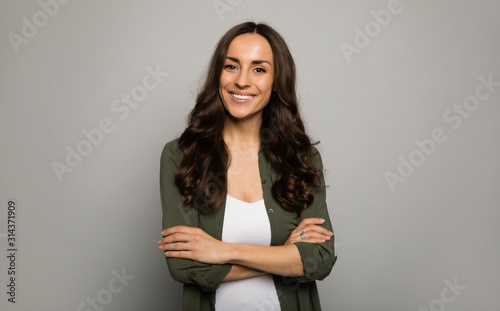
(399, 248)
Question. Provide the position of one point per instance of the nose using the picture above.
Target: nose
(242, 80)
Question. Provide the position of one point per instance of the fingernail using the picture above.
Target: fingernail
(166, 254)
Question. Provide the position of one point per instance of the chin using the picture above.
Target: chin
(237, 116)
(240, 115)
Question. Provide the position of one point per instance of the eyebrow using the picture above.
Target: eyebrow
(254, 62)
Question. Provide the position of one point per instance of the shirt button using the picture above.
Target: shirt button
(263, 181)
(192, 274)
(271, 211)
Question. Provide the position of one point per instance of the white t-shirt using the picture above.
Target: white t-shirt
(247, 223)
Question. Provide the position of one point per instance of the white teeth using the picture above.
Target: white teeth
(241, 96)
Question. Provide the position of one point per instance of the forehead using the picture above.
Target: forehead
(250, 46)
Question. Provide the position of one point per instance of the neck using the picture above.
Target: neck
(242, 134)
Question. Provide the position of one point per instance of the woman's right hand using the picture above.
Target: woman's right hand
(309, 231)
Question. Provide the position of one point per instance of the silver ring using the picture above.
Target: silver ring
(302, 235)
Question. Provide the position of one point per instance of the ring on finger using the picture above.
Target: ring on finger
(302, 235)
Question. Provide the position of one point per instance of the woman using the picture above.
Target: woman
(245, 221)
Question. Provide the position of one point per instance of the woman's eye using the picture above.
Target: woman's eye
(260, 70)
(230, 66)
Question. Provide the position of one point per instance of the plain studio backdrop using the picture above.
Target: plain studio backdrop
(403, 95)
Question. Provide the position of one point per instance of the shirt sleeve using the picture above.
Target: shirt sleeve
(174, 213)
(317, 258)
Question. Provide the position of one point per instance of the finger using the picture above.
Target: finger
(178, 254)
(184, 229)
(311, 237)
(176, 237)
(310, 221)
(318, 229)
(314, 235)
(307, 240)
(170, 231)
(177, 247)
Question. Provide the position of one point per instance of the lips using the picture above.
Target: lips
(242, 96)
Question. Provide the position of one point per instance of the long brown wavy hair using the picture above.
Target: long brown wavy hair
(202, 173)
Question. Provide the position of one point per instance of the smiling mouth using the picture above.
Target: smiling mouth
(242, 97)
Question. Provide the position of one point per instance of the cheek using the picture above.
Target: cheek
(268, 84)
(224, 80)
(222, 85)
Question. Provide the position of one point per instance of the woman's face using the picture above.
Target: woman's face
(246, 82)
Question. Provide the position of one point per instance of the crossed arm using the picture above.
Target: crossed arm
(195, 257)
(248, 260)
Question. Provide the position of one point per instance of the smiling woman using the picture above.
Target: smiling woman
(246, 82)
(245, 221)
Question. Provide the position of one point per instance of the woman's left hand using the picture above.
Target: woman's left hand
(309, 230)
(192, 243)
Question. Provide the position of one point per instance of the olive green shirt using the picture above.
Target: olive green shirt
(201, 280)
